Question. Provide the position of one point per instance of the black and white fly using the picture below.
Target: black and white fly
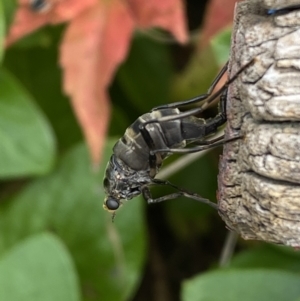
(139, 154)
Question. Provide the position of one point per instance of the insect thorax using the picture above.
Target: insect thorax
(122, 182)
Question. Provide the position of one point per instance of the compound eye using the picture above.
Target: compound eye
(112, 204)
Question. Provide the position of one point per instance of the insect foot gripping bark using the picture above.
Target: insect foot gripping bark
(139, 154)
(259, 179)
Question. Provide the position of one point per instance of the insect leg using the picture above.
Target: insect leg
(211, 141)
(208, 128)
(208, 144)
(181, 192)
(195, 99)
(205, 105)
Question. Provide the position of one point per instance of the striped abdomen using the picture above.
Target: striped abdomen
(134, 151)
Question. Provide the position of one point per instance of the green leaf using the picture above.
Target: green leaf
(40, 38)
(38, 71)
(109, 256)
(197, 76)
(246, 285)
(268, 256)
(2, 30)
(9, 7)
(27, 143)
(39, 268)
(221, 46)
(146, 74)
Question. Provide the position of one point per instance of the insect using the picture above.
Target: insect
(139, 154)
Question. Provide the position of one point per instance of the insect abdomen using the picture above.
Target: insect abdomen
(134, 151)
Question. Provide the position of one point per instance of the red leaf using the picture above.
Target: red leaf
(167, 14)
(217, 17)
(95, 43)
(93, 46)
(27, 20)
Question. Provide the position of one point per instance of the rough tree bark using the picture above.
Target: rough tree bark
(259, 180)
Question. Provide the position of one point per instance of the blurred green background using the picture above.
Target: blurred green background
(56, 241)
